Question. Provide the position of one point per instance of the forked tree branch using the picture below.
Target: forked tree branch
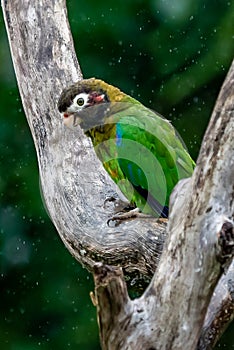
(172, 310)
(74, 183)
(200, 245)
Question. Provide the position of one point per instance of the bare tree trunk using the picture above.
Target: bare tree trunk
(171, 313)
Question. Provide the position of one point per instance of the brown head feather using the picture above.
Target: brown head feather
(86, 85)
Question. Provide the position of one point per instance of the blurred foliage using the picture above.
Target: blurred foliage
(171, 55)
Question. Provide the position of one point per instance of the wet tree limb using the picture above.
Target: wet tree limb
(172, 311)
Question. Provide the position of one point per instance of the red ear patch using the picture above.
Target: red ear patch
(65, 115)
(98, 98)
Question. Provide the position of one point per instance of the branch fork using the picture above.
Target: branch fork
(180, 306)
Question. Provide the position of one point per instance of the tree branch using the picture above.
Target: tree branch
(74, 183)
(220, 312)
(75, 186)
(200, 244)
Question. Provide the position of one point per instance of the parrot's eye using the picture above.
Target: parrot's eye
(80, 101)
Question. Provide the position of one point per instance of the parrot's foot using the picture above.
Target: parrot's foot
(163, 220)
(133, 213)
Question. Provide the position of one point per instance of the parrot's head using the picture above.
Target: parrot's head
(88, 103)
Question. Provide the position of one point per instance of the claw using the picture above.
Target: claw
(133, 213)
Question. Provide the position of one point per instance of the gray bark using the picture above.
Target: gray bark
(171, 313)
(73, 181)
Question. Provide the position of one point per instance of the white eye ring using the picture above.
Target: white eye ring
(81, 100)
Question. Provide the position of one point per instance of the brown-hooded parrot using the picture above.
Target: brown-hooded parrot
(139, 149)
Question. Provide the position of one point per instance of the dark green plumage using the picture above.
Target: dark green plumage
(139, 149)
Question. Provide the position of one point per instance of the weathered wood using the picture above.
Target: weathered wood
(73, 181)
(172, 310)
(220, 312)
(200, 243)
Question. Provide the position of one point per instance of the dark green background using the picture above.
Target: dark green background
(171, 55)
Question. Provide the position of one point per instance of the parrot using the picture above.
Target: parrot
(140, 150)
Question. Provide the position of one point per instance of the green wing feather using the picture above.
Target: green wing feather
(150, 156)
(140, 150)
